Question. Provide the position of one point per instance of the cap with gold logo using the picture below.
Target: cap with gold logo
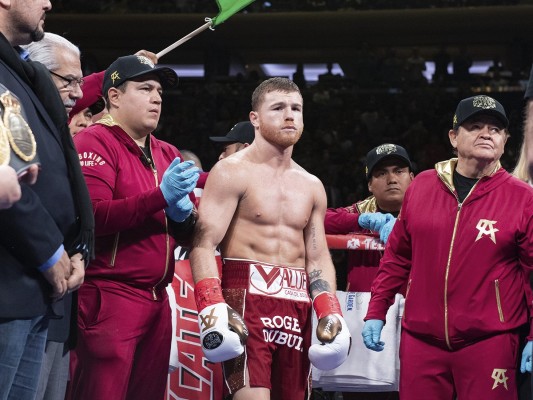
(477, 105)
(130, 67)
(384, 151)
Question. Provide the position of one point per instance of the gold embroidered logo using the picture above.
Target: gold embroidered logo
(209, 320)
(386, 149)
(499, 377)
(114, 76)
(486, 227)
(484, 102)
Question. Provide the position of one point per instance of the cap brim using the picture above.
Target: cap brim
(222, 139)
(493, 113)
(167, 76)
(386, 157)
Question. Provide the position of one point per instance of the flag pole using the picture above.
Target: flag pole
(185, 38)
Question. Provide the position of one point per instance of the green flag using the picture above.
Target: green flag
(228, 8)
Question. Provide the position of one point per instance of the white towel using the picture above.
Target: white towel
(364, 370)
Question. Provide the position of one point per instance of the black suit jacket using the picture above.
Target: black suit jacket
(45, 217)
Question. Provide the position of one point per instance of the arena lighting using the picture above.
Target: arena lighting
(187, 71)
(477, 68)
(311, 71)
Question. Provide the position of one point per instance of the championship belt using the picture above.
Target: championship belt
(17, 142)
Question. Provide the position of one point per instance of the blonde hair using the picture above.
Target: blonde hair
(521, 169)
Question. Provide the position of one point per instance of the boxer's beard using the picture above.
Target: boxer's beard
(280, 138)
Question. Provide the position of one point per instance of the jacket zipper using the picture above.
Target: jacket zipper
(498, 299)
(154, 288)
(406, 295)
(459, 208)
(115, 250)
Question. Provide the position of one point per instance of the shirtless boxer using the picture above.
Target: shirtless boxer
(266, 214)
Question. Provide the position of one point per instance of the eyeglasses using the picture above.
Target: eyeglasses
(71, 82)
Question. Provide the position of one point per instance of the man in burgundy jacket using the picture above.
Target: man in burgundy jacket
(389, 172)
(141, 197)
(463, 243)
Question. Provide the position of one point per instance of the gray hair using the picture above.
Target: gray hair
(44, 51)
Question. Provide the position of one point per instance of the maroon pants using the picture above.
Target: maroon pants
(123, 344)
(483, 370)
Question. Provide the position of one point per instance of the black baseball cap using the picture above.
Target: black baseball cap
(130, 67)
(242, 132)
(383, 151)
(476, 105)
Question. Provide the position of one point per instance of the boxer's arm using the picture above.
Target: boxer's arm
(332, 331)
(219, 202)
(222, 330)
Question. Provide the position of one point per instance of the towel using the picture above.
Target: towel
(364, 370)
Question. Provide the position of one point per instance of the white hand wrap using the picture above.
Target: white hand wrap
(222, 332)
(331, 354)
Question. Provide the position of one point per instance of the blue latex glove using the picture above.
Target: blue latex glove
(181, 210)
(386, 229)
(372, 333)
(179, 180)
(373, 221)
(525, 364)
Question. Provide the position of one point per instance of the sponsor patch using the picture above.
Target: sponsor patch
(278, 282)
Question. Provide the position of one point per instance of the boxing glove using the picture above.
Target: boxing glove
(331, 331)
(223, 332)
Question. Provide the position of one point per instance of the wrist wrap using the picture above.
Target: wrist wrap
(326, 303)
(208, 292)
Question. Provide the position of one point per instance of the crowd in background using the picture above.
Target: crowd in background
(342, 122)
(200, 6)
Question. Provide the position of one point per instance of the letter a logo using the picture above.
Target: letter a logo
(486, 227)
(499, 377)
(209, 320)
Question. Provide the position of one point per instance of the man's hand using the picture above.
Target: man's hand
(178, 181)
(9, 187)
(77, 273)
(372, 334)
(525, 364)
(181, 210)
(373, 221)
(148, 54)
(386, 229)
(57, 276)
